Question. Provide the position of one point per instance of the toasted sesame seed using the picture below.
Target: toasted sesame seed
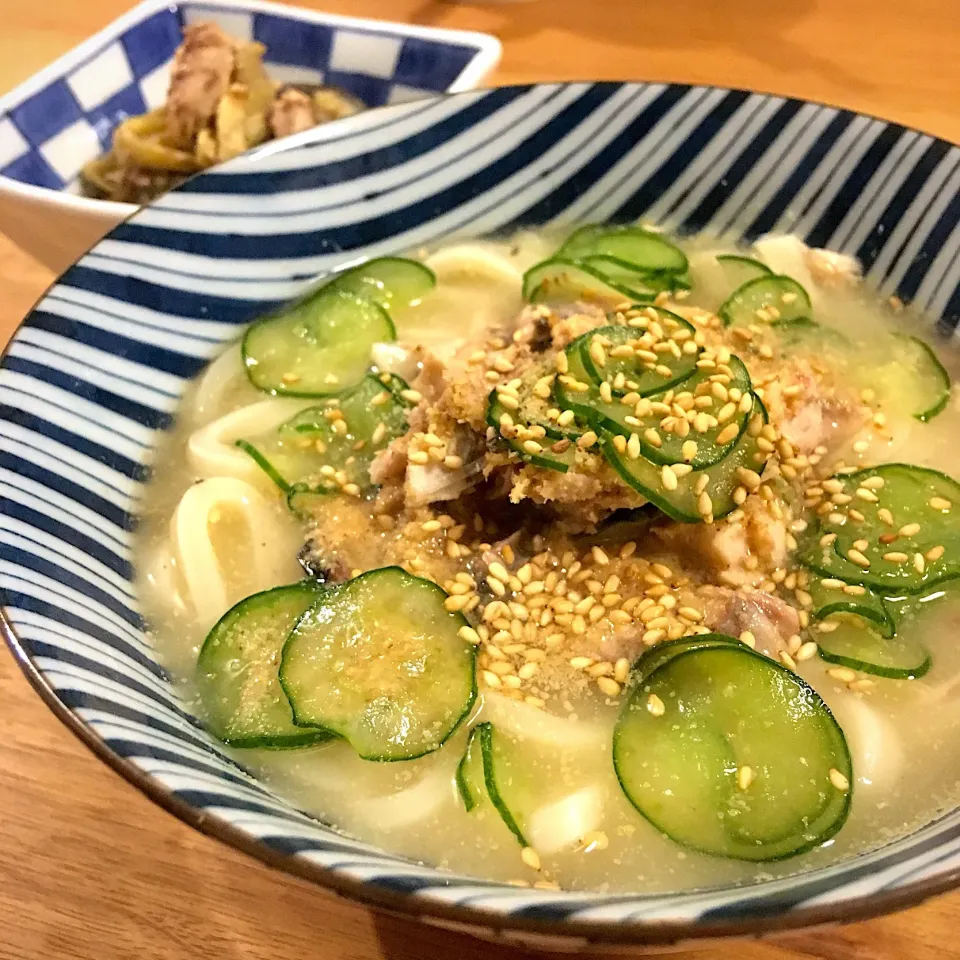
(469, 634)
(787, 660)
(832, 584)
(655, 705)
(530, 857)
(843, 674)
(491, 679)
(599, 556)
(805, 651)
(727, 434)
(939, 503)
(652, 437)
(668, 478)
(909, 530)
(621, 670)
(886, 516)
(855, 556)
(934, 553)
(532, 447)
(747, 637)
(581, 663)
(411, 396)
(705, 505)
(745, 777)
(895, 556)
(587, 440)
(919, 564)
(418, 457)
(839, 780)
(608, 686)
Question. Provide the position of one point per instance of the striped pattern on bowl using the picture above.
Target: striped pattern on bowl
(93, 378)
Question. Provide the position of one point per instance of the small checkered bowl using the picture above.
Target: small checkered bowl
(64, 116)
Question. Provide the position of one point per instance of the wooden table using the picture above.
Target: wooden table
(90, 869)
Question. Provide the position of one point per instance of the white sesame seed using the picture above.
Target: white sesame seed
(655, 705)
(745, 777)
(839, 780)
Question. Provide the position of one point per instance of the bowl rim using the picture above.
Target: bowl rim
(478, 920)
(489, 51)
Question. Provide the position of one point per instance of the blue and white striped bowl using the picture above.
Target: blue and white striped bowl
(93, 378)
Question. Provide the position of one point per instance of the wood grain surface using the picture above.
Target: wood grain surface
(89, 868)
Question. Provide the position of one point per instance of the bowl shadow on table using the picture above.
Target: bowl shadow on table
(758, 29)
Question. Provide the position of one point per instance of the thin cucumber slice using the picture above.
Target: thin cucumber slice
(661, 414)
(833, 596)
(309, 450)
(775, 298)
(390, 282)
(317, 348)
(727, 708)
(803, 334)
(634, 277)
(643, 248)
(380, 662)
(683, 503)
(739, 270)
(656, 368)
(303, 499)
(862, 647)
(237, 678)
(529, 441)
(560, 280)
(662, 653)
(924, 506)
(510, 780)
(914, 373)
(469, 778)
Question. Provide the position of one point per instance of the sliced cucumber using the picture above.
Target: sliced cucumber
(739, 270)
(683, 503)
(657, 369)
(391, 282)
(775, 297)
(237, 677)
(849, 598)
(721, 709)
(469, 776)
(634, 277)
(924, 507)
(560, 280)
(380, 662)
(530, 441)
(662, 653)
(308, 451)
(643, 248)
(664, 411)
(914, 374)
(862, 647)
(317, 348)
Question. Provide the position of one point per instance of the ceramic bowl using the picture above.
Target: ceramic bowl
(56, 121)
(92, 379)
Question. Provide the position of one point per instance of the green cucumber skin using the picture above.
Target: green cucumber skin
(285, 390)
(264, 464)
(588, 241)
(384, 758)
(463, 788)
(715, 641)
(494, 409)
(884, 620)
(532, 281)
(490, 781)
(925, 416)
(596, 379)
(812, 555)
(889, 673)
(726, 308)
(346, 281)
(278, 742)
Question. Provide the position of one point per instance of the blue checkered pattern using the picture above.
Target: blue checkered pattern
(46, 137)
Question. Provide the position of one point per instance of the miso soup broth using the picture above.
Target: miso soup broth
(600, 562)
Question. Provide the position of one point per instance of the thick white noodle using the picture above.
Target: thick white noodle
(222, 387)
(472, 261)
(565, 822)
(160, 579)
(416, 804)
(212, 450)
(875, 744)
(205, 573)
(521, 721)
